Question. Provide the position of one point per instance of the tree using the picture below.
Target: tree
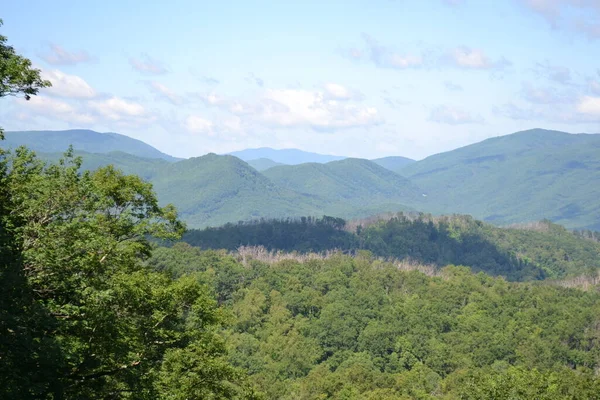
(17, 77)
(91, 319)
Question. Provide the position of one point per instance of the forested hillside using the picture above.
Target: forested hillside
(82, 140)
(395, 163)
(354, 181)
(261, 164)
(516, 178)
(309, 327)
(537, 251)
(212, 190)
(146, 168)
(525, 176)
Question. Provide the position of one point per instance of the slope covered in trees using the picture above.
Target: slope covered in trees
(525, 176)
(145, 168)
(509, 179)
(261, 164)
(212, 190)
(82, 140)
(539, 251)
(358, 328)
(353, 181)
(394, 163)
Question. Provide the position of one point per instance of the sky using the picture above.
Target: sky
(359, 78)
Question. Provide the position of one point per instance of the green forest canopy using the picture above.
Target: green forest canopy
(535, 251)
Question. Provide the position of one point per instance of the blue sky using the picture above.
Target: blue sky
(363, 78)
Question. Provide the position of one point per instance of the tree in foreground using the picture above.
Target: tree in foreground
(84, 317)
(17, 77)
(81, 316)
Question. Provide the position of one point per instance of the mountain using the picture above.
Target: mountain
(82, 140)
(261, 164)
(351, 182)
(394, 163)
(213, 190)
(526, 176)
(146, 168)
(284, 156)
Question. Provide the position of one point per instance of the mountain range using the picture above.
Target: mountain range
(284, 156)
(83, 140)
(525, 176)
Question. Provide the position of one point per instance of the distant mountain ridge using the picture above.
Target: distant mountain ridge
(83, 140)
(394, 163)
(261, 164)
(352, 181)
(284, 156)
(526, 176)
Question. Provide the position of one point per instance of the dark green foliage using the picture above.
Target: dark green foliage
(538, 251)
(305, 234)
(81, 315)
(358, 328)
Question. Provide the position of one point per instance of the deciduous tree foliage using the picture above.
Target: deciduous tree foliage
(343, 327)
(81, 316)
(545, 250)
(17, 78)
(86, 318)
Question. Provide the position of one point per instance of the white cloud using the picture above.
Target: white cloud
(327, 109)
(303, 108)
(335, 91)
(453, 116)
(148, 65)
(195, 124)
(56, 109)
(164, 92)
(470, 58)
(118, 109)
(59, 56)
(404, 60)
(65, 85)
(476, 59)
(589, 105)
